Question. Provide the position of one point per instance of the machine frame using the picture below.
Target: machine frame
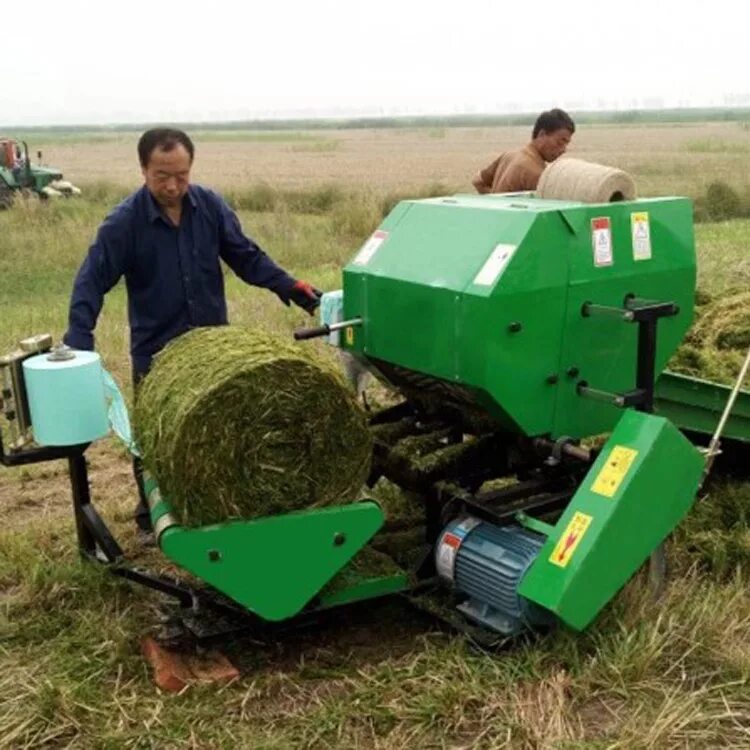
(549, 473)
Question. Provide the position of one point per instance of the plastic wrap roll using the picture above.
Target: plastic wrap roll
(332, 311)
(578, 180)
(67, 398)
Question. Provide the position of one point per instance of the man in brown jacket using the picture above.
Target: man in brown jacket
(519, 171)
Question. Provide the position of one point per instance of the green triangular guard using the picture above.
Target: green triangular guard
(274, 566)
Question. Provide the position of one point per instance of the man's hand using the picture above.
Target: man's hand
(81, 340)
(305, 296)
(480, 185)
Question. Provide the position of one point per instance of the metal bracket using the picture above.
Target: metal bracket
(647, 314)
(635, 397)
(555, 457)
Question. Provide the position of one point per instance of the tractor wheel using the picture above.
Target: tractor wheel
(6, 196)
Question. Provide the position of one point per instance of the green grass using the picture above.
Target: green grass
(319, 146)
(716, 146)
(672, 673)
(723, 260)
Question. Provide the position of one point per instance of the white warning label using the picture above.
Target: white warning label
(494, 266)
(641, 232)
(446, 556)
(445, 560)
(364, 256)
(601, 239)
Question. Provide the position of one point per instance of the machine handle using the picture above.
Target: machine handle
(301, 334)
(312, 333)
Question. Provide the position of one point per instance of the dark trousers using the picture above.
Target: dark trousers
(142, 514)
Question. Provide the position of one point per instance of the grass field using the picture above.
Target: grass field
(673, 673)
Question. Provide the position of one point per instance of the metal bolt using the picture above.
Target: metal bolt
(515, 327)
(338, 539)
(552, 379)
(572, 372)
(214, 555)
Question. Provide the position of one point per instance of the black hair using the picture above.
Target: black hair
(164, 139)
(552, 120)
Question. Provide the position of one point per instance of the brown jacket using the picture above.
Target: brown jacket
(511, 172)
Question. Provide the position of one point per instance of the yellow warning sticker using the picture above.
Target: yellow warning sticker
(570, 539)
(349, 333)
(614, 471)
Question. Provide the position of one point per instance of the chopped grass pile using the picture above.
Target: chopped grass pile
(719, 339)
(368, 563)
(236, 423)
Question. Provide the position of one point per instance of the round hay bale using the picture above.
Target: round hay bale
(237, 423)
(578, 180)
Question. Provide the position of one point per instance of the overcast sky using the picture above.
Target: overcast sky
(69, 61)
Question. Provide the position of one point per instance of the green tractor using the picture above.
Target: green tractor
(19, 175)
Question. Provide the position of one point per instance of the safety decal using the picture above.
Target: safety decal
(614, 471)
(364, 256)
(641, 232)
(494, 266)
(570, 539)
(449, 544)
(601, 240)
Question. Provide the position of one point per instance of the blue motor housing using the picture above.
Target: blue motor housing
(487, 563)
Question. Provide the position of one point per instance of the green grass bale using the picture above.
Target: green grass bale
(236, 423)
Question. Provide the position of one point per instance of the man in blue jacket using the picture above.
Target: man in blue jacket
(167, 240)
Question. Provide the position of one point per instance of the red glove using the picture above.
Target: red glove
(306, 296)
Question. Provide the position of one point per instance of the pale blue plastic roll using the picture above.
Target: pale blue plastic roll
(332, 311)
(67, 399)
(119, 419)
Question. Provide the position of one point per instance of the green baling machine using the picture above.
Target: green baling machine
(516, 328)
(547, 453)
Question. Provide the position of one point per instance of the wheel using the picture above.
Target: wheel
(6, 196)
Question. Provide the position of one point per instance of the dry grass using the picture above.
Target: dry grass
(664, 159)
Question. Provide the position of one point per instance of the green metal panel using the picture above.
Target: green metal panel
(274, 566)
(36, 177)
(640, 487)
(512, 336)
(6, 175)
(509, 367)
(367, 588)
(412, 288)
(43, 176)
(424, 311)
(603, 349)
(697, 405)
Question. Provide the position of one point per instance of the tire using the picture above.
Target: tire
(6, 195)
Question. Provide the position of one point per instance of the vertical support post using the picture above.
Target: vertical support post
(645, 377)
(79, 485)
(646, 369)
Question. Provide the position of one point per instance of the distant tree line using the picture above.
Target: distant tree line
(645, 116)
